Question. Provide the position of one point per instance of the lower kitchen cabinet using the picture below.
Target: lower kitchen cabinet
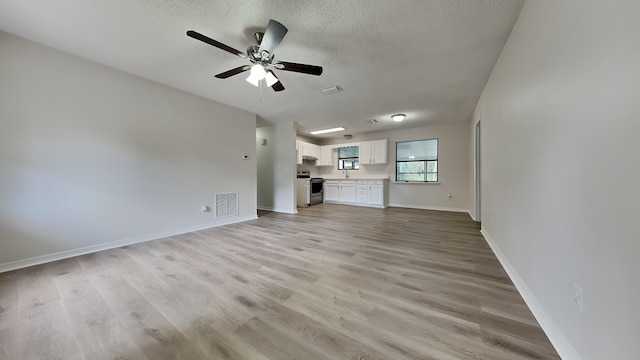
(372, 193)
(331, 191)
(340, 191)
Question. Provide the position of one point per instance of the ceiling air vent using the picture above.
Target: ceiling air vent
(331, 90)
(373, 121)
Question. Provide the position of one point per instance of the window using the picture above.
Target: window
(417, 160)
(349, 158)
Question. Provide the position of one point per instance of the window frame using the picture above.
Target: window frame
(355, 159)
(424, 161)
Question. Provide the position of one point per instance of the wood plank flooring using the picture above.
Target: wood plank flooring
(331, 282)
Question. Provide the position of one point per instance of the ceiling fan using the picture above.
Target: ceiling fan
(261, 57)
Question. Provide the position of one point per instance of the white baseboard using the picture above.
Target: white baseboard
(269, 208)
(423, 207)
(557, 338)
(14, 265)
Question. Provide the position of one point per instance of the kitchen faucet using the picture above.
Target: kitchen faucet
(346, 173)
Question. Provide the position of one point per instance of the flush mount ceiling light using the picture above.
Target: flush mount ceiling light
(398, 117)
(325, 131)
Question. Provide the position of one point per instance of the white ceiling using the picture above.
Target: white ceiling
(429, 59)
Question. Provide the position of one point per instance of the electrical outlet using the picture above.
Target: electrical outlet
(205, 208)
(578, 300)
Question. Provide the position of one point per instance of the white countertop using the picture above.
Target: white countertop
(371, 177)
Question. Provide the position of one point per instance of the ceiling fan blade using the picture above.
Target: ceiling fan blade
(232, 72)
(272, 36)
(301, 68)
(219, 45)
(277, 86)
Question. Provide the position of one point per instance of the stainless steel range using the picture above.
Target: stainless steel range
(316, 195)
(309, 190)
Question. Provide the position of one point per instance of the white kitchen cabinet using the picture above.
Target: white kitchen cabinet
(312, 150)
(379, 151)
(362, 192)
(373, 152)
(326, 156)
(347, 191)
(299, 152)
(306, 150)
(371, 193)
(331, 191)
(376, 193)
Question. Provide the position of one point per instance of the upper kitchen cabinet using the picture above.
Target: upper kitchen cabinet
(373, 152)
(306, 151)
(326, 156)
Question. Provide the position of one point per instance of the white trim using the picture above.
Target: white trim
(415, 182)
(426, 207)
(269, 208)
(14, 265)
(472, 216)
(354, 204)
(557, 338)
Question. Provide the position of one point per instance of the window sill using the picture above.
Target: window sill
(416, 182)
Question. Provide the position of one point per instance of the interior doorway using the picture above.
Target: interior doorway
(477, 177)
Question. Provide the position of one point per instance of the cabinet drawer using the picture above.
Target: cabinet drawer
(375, 182)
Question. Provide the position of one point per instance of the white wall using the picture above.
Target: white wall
(561, 174)
(90, 156)
(277, 167)
(453, 167)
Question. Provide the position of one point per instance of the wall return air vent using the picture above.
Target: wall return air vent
(226, 204)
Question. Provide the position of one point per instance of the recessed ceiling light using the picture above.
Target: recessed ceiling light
(398, 117)
(318, 132)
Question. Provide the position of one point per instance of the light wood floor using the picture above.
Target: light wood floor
(332, 282)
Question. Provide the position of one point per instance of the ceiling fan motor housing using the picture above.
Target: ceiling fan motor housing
(258, 57)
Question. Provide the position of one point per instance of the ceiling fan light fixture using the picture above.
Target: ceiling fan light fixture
(270, 78)
(258, 71)
(253, 80)
(325, 131)
(398, 117)
(256, 74)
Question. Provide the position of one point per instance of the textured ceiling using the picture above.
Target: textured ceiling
(429, 59)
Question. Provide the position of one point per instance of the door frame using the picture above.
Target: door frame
(477, 169)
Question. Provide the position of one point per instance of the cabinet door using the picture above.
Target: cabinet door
(348, 191)
(376, 195)
(331, 191)
(365, 152)
(299, 152)
(326, 156)
(315, 151)
(379, 152)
